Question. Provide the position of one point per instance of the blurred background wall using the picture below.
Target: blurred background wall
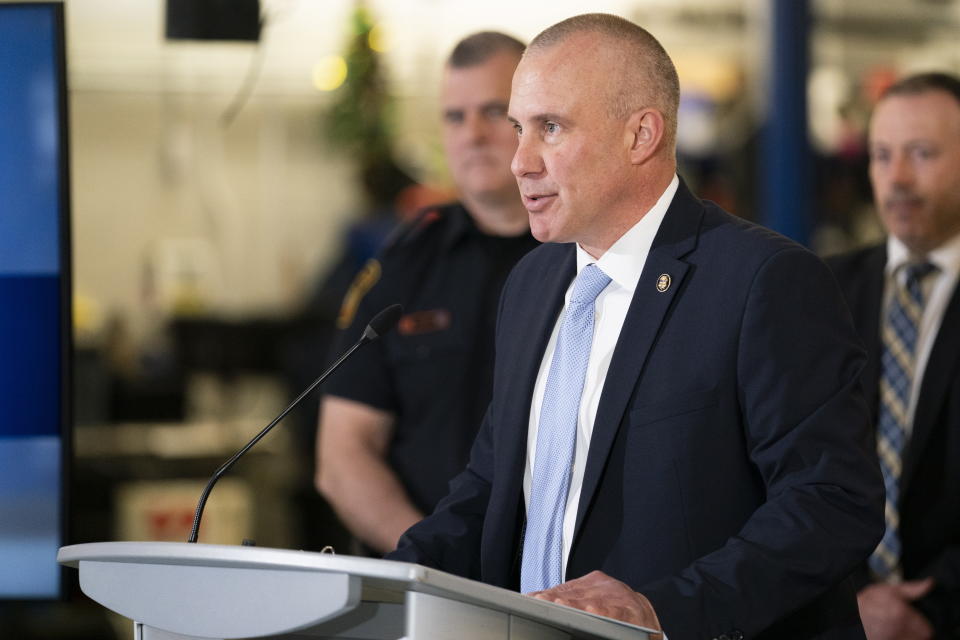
(170, 196)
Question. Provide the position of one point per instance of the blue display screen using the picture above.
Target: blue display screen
(34, 298)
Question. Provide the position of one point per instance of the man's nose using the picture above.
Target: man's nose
(475, 128)
(901, 171)
(526, 160)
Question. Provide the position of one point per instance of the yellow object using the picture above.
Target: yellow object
(368, 276)
(329, 73)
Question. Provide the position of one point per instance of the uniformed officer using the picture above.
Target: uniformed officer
(398, 420)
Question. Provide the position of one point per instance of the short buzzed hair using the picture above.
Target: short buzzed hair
(652, 81)
(478, 48)
(924, 83)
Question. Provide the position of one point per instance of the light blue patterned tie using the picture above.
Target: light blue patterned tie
(557, 436)
(899, 336)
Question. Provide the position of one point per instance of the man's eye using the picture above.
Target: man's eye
(495, 113)
(517, 128)
(453, 117)
(551, 127)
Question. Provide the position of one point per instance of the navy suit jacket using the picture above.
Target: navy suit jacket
(930, 481)
(730, 477)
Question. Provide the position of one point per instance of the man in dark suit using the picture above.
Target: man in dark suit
(675, 437)
(911, 586)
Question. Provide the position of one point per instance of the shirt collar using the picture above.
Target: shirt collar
(624, 260)
(946, 257)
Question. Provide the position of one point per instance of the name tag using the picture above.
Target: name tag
(420, 322)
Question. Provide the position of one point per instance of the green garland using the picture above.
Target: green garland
(358, 118)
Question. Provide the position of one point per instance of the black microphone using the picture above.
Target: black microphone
(381, 323)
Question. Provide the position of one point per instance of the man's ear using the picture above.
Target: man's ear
(646, 129)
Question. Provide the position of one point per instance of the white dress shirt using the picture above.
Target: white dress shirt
(623, 262)
(937, 289)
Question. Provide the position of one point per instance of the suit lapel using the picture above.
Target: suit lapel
(933, 389)
(525, 335)
(676, 237)
(542, 307)
(869, 311)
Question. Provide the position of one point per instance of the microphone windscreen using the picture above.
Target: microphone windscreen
(385, 320)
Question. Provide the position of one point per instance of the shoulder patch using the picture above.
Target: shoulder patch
(368, 276)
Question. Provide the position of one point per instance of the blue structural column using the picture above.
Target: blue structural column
(786, 174)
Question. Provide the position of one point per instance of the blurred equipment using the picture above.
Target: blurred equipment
(213, 20)
(380, 324)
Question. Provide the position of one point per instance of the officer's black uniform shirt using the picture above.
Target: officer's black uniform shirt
(434, 372)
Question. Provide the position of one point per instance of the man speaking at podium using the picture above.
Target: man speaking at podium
(676, 437)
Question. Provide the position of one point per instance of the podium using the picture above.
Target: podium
(181, 591)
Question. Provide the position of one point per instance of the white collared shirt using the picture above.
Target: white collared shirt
(623, 262)
(937, 289)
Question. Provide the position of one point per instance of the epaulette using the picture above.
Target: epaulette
(406, 233)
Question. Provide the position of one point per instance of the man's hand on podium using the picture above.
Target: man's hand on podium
(598, 593)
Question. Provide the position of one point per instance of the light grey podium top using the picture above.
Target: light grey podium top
(374, 580)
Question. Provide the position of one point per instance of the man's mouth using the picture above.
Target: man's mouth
(478, 159)
(903, 203)
(537, 201)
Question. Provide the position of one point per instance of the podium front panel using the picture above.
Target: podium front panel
(219, 602)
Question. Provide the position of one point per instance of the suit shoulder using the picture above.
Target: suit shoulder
(743, 240)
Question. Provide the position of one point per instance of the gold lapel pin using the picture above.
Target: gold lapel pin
(663, 282)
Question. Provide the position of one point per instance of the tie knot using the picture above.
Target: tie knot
(916, 271)
(588, 285)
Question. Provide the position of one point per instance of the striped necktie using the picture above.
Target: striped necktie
(557, 436)
(899, 337)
